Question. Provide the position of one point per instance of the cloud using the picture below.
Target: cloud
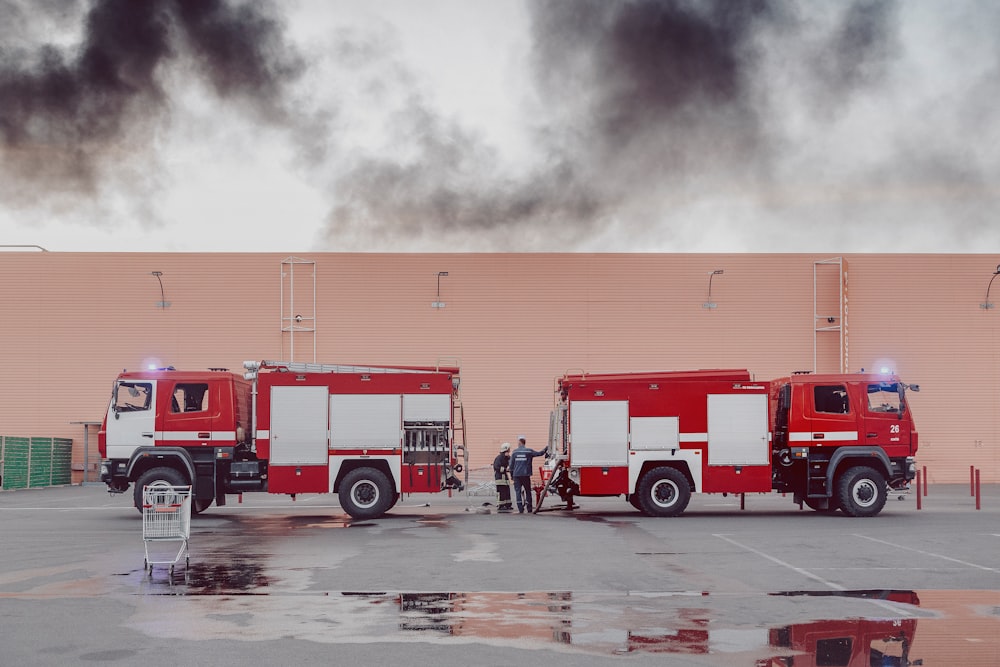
(73, 111)
(663, 125)
(654, 118)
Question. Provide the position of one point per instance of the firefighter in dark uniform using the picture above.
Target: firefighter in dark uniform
(520, 469)
(501, 475)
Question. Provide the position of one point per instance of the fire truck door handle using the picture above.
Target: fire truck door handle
(871, 435)
(819, 436)
(204, 435)
(147, 435)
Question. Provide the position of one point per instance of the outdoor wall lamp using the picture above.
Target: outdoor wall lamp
(438, 303)
(711, 274)
(986, 305)
(163, 300)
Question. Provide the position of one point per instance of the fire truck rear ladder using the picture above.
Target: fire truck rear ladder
(458, 420)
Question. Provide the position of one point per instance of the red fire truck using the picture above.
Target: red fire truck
(836, 442)
(368, 433)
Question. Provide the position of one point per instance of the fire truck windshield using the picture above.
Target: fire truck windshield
(133, 396)
(884, 397)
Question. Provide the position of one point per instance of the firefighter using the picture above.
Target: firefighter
(520, 468)
(501, 470)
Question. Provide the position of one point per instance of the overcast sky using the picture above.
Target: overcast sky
(499, 125)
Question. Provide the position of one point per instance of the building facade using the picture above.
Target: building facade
(514, 322)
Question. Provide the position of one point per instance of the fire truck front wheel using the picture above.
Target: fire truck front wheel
(366, 493)
(156, 477)
(861, 491)
(664, 491)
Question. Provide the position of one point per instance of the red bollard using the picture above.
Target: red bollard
(241, 499)
(925, 480)
(978, 504)
(918, 490)
(972, 480)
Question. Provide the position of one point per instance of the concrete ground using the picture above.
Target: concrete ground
(446, 581)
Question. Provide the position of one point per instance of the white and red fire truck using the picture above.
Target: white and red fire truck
(367, 433)
(836, 442)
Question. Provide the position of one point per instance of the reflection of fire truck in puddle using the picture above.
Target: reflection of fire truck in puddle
(660, 627)
(851, 642)
(856, 642)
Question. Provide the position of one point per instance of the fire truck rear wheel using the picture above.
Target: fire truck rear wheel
(664, 491)
(861, 491)
(156, 477)
(366, 493)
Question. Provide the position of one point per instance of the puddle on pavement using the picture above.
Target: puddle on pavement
(884, 628)
(285, 525)
(241, 577)
(228, 597)
(438, 520)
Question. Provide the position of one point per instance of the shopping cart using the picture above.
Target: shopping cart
(166, 517)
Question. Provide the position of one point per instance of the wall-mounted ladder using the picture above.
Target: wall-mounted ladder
(830, 340)
(298, 306)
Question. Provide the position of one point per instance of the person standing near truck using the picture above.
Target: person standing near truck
(520, 469)
(501, 477)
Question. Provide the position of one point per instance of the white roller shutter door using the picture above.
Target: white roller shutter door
(426, 408)
(365, 421)
(599, 433)
(737, 429)
(298, 425)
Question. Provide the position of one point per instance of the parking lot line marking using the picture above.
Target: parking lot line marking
(61, 509)
(929, 553)
(778, 561)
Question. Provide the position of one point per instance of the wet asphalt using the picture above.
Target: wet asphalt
(447, 581)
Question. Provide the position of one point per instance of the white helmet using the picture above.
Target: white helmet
(505, 447)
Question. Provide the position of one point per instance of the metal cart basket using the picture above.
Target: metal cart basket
(166, 517)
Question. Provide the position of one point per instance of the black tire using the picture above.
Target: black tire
(366, 493)
(861, 491)
(822, 505)
(199, 506)
(664, 491)
(156, 477)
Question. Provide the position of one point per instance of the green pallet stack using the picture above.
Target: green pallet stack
(14, 452)
(62, 461)
(40, 465)
(35, 462)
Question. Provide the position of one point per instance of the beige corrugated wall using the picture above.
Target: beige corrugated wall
(72, 321)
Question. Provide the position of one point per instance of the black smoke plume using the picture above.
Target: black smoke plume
(648, 105)
(68, 114)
